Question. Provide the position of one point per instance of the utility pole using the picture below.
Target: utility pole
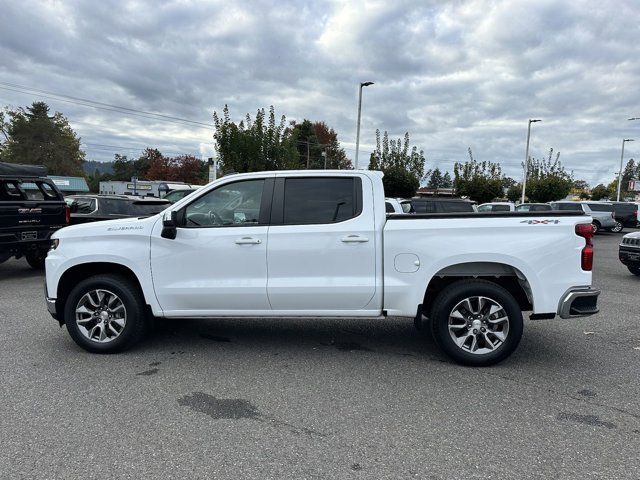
(526, 158)
(620, 171)
(307, 154)
(363, 84)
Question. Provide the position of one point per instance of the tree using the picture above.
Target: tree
(514, 193)
(335, 155)
(480, 181)
(436, 179)
(399, 182)
(34, 137)
(396, 153)
(253, 144)
(580, 185)
(547, 179)
(446, 181)
(599, 192)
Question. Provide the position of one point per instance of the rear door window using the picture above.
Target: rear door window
(320, 200)
(424, 206)
(600, 207)
(452, 207)
(501, 208)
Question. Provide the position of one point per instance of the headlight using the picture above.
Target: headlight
(54, 243)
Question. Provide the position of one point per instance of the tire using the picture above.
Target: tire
(634, 270)
(452, 301)
(122, 322)
(617, 228)
(35, 259)
(596, 226)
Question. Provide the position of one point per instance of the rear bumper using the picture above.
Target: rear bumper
(579, 302)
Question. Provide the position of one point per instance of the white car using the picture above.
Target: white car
(319, 244)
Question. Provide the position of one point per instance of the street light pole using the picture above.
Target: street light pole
(620, 171)
(526, 158)
(362, 84)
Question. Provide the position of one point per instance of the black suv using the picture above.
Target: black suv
(31, 209)
(442, 205)
(626, 215)
(94, 208)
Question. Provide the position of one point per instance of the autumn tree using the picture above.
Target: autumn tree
(253, 145)
(32, 136)
(335, 154)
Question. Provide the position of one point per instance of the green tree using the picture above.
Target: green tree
(446, 180)
(32, 136)
(599, 192)
(253, 144)
(399, 182)
(547, 179)
(514, 193)
(480, 181)
(436, 180)
(396, 153)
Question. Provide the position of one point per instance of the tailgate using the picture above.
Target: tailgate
(28, 221)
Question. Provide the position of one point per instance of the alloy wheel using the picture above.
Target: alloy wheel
(101, 315)
(478, 325)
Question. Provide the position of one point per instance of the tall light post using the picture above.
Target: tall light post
(620, 171)
(526, 157)
(362, 84)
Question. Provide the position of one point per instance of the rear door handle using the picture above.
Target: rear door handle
(248, 241)
(354, 239)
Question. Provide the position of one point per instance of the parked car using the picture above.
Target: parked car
(398, 205)
(176, 195)
(601, 219)
(533, 207)
(497, 207)
(626, 215)
(95, 208)
(609, 208)
(629, 252)
(31, 209)
(442, 205)
(318, 244)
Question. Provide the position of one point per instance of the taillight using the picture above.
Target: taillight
(585, 230)
(67, 214)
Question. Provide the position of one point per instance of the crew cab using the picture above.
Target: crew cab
(31, 209)
(319, 244)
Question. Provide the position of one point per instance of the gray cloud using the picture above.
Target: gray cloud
(453, 74)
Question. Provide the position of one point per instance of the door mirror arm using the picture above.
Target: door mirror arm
(170, 225)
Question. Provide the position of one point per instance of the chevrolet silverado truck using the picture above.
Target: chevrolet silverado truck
(311, 244)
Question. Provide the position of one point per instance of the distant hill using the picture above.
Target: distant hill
(103, 167)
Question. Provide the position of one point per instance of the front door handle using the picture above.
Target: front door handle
(248, 241)
(354, 239)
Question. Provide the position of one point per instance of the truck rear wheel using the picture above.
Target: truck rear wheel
(105, 314)
(476, 322)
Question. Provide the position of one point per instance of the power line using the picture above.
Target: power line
(102, 106)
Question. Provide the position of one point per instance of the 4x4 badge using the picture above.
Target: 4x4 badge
(543, 222)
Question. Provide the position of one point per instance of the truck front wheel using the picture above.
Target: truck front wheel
(105, 314)
(476, 322)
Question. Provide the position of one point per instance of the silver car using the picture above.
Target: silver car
(601, 220)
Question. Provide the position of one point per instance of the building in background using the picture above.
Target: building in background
(142, 188)
(70, 185)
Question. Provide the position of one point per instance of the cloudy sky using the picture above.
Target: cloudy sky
(453, 74)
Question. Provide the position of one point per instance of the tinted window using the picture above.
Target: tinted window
(568, 206)
(501, 208)
(82, 205)
(540, 208)
(450, 207)
(10, 190)
(113, 206)
(524, 208)
(600, 207)
(232, 204)
(319, 200)
(388, 207)
(422, 206)
(484, 208)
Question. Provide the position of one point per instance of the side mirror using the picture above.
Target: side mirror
(170, 225)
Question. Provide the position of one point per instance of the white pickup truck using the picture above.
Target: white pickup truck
(319, 244)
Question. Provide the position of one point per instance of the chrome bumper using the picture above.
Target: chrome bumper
(579, 302)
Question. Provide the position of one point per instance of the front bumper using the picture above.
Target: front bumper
(629, 256)
(579, 302)
(51, 303)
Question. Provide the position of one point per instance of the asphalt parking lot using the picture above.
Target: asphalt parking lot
(320, 398)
